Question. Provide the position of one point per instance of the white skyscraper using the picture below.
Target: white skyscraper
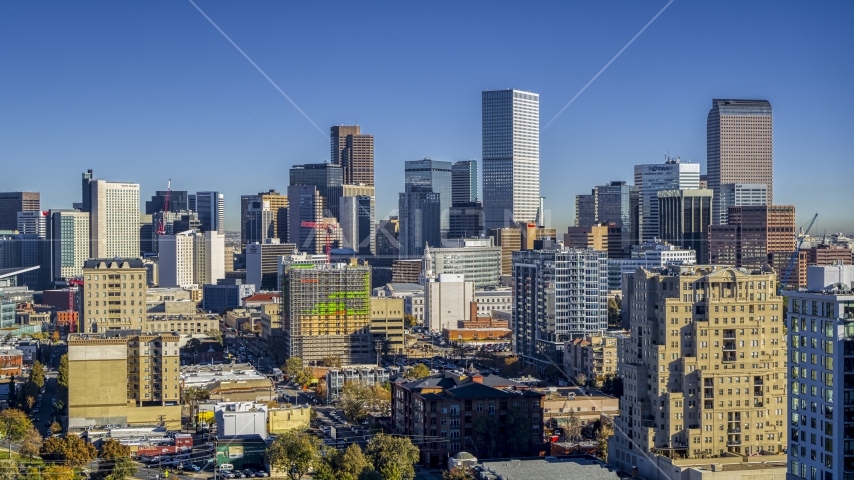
(114, 219)
(32, 222)
(650, 179)
(511, 157)
(208, 257)
(69, 235)
(177, 266)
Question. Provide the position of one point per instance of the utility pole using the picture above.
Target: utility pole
(378, 346)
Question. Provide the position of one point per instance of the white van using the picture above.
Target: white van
(226, 467)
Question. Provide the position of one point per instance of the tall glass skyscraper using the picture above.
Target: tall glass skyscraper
(464, 180)
(511, 157)
(436, 175)
(673, 174)
(739, 148)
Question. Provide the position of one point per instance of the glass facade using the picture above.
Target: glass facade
(437, 176)
(651, 179)
(319, 175)
(464, 182)
(511, 156)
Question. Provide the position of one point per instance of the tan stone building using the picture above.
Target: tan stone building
(563, 402)
(704, 372)
(387, 321)
(595, 356)
(123, 380)
(114, 293)
(595, 237)
(281, 420)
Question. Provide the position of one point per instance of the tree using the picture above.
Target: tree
(71, 451)
(14, 426)
(294, 453)
(31, 443)
(380, 400)
(54, 337)
(352, 463)
(55, 428)
(418, 371)
(113, 449)
(58, 473)
(331, 361)
(605, 432)
(9, 469)
(123, 468)
(457, 473)
(304, 376)
(517, 431)
(571, 424)
(615, 308)
(62, 375)
(192, 397)
(488, 431)
(37, 374)
(581, 379)
(409, 320)
(216, 334)
(320, 389)
(355, 400)
(292, 367)
(393, 457)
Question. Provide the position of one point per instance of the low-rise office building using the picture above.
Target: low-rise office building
(387, 323)
(285, 419)
(229, 383)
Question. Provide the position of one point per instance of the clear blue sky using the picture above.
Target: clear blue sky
(147, 91)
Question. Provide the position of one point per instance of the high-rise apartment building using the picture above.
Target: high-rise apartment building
(357, 224)
(435, 175)
(705, 366)
(684, 217)
(751, 234)
(354, 152)
(821, 334)
(322, 176)
(176, 259)
(510, 240)
(305, 205)
(124, 380)
(419, 209)
(559, 294)
(113, 218)
(464, 182)
(327, 311)
(476, 259)
(68, 231)
(13, 202)
(741, 195)
(739, 147)
(113, 296)
(650, 179)
(277, 204)
(211, 209)
(511, 156)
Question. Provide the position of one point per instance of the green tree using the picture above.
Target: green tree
(37, 374)
(216, 334)
(295, 453)
(615, 309)
(31, 443)
(123, 468)
(518, 430)
(14, 426)
(62, 375)
(9, 469)
(331, 361)
(112, 456)
(393, 457)
(418, 371)
(489, 432)
(304, 376)
(355, 400)
(352, 463)
(292, 367)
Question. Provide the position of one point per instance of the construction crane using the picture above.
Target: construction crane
(72, 284)
(799, 240)
(161, 224)
(328, 227)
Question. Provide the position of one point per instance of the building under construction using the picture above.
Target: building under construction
(327, 311)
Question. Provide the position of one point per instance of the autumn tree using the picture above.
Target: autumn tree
(31, 444)
(55, 428)
(393, 457)
(418, 371)
(295, 453)
(352, 463)
(331, 361)
(355, 401)
(292, 367)
(37, 374)
(54, 337)
(605, 432)
(320, 389)
(71, 451)
(409, 320)
(215, 334)
(14, 426)
(304, 376)
(581, 379)
(571, 423)
(457, 473)
(62, 376)
(115, 459)
(57, 472)
(9, 470)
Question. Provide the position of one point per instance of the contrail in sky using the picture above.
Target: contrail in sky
(603, 68)
(262, 71)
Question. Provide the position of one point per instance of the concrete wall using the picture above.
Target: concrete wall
(281, 420)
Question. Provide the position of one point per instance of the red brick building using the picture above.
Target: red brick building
(11, 361)
(484, 415)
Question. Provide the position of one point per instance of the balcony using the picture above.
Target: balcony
(733, 430)
(728, 357)
(733, 441)
(729, 346)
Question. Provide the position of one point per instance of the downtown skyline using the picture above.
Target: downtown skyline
(214, 110)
